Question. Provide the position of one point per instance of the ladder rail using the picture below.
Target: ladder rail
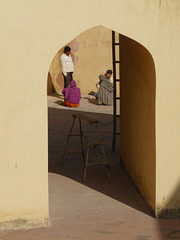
(115, 80)
(114, 97)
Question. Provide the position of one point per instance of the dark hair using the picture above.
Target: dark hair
(67, 49)
(109, 72)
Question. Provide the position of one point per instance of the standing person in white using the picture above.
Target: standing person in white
(67, 66)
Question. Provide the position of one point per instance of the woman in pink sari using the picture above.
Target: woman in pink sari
(72, 95)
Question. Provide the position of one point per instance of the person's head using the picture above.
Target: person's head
(108, 74)
(73, 83)
(67, 50)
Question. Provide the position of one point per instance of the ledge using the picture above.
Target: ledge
(168, 212)
(23, 224)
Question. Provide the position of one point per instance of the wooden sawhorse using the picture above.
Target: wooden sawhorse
(87, 145)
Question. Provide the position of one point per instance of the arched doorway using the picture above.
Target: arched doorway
(137, 108)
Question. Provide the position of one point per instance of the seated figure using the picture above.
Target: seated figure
(106, 88)
(72, 95)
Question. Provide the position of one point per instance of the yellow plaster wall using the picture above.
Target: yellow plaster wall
(92, 55)
(137, 126)
(167, 111)
(31, 33)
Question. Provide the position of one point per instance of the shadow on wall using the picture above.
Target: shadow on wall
(138, 86)
(50, 87)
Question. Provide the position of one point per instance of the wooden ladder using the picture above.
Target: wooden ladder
(116, 79)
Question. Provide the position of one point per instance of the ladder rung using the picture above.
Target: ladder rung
(117, 44)
(117, 61)
(117, 115)
(118, 98)
(74, 135)
(117, 80)
(117, 133)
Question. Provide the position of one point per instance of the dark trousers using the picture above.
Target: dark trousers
(67, 81)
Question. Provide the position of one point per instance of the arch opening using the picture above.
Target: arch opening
(92, 55)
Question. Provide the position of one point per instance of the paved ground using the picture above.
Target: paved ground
(96, 209)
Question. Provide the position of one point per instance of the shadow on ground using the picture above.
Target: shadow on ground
(120, 187)
(89, 99)
(92, 100)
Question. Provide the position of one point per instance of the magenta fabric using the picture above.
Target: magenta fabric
(72, 93)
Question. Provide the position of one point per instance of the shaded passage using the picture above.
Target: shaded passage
(120, 188)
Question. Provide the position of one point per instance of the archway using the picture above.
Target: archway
(137, 105)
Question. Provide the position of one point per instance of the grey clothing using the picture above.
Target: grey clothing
(105, 93)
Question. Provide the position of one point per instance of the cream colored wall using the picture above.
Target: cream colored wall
(92, 55)
(137, 125)
(167, 113)
(31, 33)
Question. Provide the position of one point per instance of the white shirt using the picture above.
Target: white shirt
(66, 63)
